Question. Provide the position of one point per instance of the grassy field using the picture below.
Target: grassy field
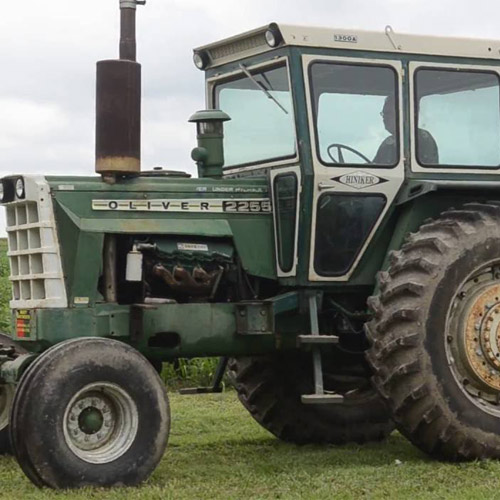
(4, 287)
(217, 451)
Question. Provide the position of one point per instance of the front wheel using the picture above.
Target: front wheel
(436, 335)
(90, 412)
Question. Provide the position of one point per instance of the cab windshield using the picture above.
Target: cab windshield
(262, 126)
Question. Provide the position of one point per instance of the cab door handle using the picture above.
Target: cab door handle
(324, 185)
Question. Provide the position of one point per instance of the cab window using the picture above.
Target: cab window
(457, 118)
(356, 116)
(262, 126)
(343, 225)
(285, 188)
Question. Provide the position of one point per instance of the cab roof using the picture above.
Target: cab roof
(254, 42)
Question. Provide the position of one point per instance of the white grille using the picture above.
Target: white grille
(239, 47)
(236, 47)
(35, 260)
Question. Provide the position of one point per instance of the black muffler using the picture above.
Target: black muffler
(118, 104)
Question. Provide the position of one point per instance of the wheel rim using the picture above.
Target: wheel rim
(473, 338)
(100, 423)
(6, 398)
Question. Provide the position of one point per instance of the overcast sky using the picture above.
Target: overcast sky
(48, 51)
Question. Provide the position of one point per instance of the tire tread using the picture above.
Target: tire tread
(398, 354)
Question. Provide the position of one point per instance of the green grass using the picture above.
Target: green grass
(4, 287)
(216, 450)
(198, 372)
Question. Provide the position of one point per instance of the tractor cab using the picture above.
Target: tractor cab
(341, 122)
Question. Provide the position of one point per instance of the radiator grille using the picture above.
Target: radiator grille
(35, 262)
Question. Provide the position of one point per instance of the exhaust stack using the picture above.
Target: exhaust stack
(118, 104)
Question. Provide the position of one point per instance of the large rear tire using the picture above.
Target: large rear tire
(436, 337)
(89, 412)
(6, 398)
(270, 388)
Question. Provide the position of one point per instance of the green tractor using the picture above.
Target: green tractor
(339, 252)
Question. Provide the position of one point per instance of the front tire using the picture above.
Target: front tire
(90, 412)
(436, 337)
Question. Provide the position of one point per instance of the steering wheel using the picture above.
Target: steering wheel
(340, 147)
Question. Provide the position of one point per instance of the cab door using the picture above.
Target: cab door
(356, 129)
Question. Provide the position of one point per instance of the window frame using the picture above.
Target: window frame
(279, 236)
(212, 83)
(413, 68)
(363, 244)
(314, 112)
(415, 117)
(295, 169)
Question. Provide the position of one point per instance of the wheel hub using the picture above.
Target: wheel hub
(92, 421)
(476, 354)
(100, 423)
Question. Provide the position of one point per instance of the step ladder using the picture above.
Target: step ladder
(316, 340)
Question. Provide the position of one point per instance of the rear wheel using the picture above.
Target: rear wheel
(436, 335)
(6, 398)
(90, 412)
(270, 388)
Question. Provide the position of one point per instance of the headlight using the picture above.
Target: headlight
(200, 60)
(20, 193)
(271, 39)
(273, 36)
(2, 192)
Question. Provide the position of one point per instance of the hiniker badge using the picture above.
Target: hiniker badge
(359, 180)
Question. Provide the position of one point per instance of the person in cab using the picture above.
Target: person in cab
(387, 151)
